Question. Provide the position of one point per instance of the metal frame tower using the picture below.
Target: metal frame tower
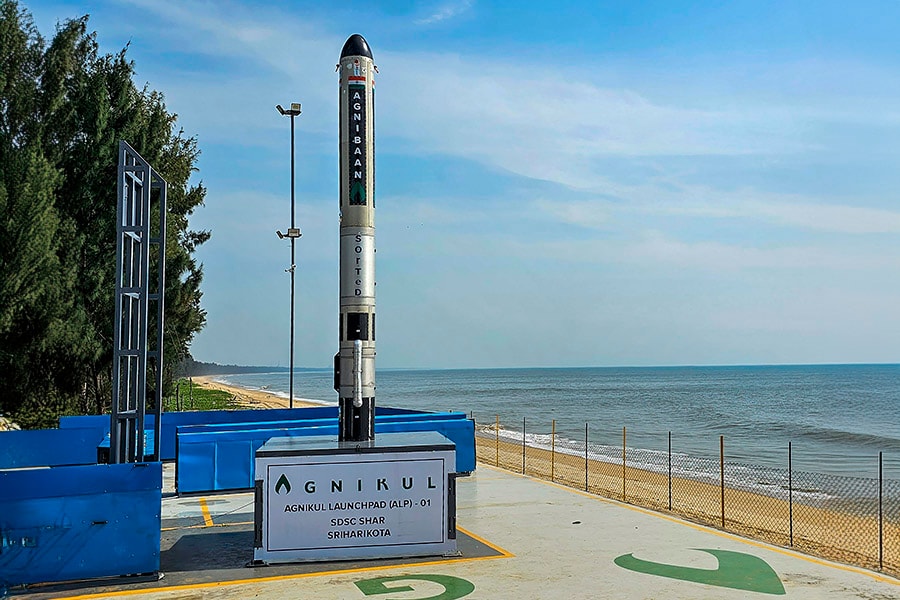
(138, 237)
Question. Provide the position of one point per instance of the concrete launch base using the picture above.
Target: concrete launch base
(527, 539)
(391, 497)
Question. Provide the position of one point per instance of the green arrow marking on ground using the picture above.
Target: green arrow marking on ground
(282, 483)
(454, 587)
(736, 570)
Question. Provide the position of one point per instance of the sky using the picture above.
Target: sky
(568, 183)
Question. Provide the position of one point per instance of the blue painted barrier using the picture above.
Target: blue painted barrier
(309, 422)
(50, 447)
(172, 420)
(222, 463)
(102, 449)
(224, 460)
(79, 522)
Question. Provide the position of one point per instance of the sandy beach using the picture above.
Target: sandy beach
(251, 398)
(849, 536)
(846, 536)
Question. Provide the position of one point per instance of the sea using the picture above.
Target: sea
(840, 420)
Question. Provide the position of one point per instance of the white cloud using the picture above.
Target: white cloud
(445, 12)
(563, 123)
(556, 122)
(781, 210)
(825, 217)
(534, 120)
(546, 121)
(582, 213)
(657, 249)
(277, 57)
(787, 210)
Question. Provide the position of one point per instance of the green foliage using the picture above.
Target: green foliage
(188, 397)
(63, 109)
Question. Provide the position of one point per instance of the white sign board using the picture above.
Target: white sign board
(343, 505)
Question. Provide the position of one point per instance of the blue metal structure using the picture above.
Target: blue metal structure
(210, 460)
(50, 447)
(79, 522)
(63, 517)
(313, 422)
(172, 420)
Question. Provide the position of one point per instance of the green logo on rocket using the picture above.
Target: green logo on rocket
(357, 193)
(283, 483)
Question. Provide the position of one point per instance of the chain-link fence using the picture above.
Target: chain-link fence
(854, 520)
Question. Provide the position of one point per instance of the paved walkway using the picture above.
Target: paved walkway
(544, 541)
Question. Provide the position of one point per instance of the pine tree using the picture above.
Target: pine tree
(63, 109)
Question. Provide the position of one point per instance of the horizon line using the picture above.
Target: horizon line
(669, 366)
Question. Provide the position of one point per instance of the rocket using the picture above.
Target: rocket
(354, 364)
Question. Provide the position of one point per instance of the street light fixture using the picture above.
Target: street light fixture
(293, 111)
(292, 234)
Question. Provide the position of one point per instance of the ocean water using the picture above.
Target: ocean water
(837, 417)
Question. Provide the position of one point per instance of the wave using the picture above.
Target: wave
(805, 487)
(831, 435)
(838, 418)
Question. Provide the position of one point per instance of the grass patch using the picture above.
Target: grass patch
(200, 399)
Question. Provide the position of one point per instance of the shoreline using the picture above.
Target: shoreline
(253, 399)
(810, 526)
(816, 525)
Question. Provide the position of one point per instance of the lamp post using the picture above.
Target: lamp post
(292, 233)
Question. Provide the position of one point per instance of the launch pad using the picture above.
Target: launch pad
(520, 538)
(317, 499)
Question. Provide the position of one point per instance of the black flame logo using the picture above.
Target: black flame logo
(283, 483)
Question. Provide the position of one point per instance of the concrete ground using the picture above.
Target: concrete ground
(525, 539)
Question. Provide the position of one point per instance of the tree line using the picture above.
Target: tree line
(191, 367)
(64, 107)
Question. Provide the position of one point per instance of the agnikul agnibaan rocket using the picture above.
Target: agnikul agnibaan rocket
(355, 362)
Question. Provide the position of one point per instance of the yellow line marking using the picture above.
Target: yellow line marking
(503, 553)
(207, 518)
(494, 547)
(274, 578)
(724, 534)
(205, 526)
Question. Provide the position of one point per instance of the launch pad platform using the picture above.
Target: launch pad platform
(520, 538)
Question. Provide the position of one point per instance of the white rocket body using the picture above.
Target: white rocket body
(355, 368)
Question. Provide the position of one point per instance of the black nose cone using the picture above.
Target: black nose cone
(356, 45)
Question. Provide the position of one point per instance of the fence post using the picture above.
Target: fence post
(791, 491)
(880, 513)
(497, 440)
(623, 464)
(722, 472)
(585, 456)
(523, 445)
(553, 450)
(670, 470)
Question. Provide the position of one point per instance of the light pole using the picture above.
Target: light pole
(292, 233)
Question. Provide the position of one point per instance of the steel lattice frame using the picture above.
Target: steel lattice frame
(135, 243)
